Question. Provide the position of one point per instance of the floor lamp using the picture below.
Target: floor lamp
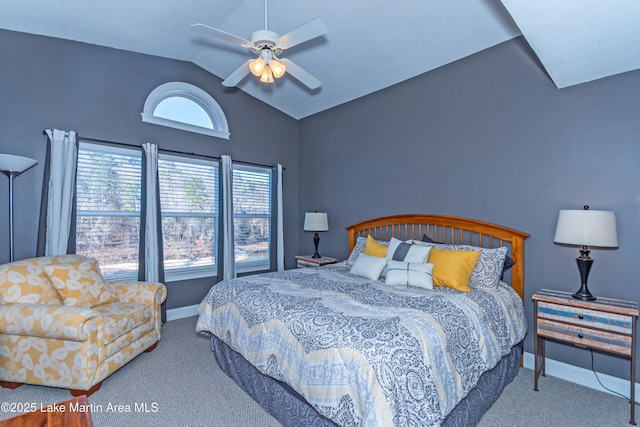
(13, 166)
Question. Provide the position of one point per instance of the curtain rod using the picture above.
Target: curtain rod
(166, 151)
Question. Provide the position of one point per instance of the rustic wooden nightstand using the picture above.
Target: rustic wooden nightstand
(308, 261)
(607, 325)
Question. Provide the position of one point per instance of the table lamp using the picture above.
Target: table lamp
(316, 221)
(586, 228)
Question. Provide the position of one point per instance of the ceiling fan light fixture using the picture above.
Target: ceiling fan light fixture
(267, 75)
(278, 68)
(267, 45)
(257, 66)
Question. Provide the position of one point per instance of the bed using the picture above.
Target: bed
(326, 347)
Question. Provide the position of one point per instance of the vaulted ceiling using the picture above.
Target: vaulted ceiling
(370, 44)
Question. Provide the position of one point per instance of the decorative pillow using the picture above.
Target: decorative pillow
(409, 274)
(489, 268)
(508, 263)
(358, 248)
(80, 284)
(428, 239)
(26, 282)
(374, 248)
(407, 252)
(453, 268)
(368, 266)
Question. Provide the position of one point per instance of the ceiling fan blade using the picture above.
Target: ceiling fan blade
(237, 75)
(220, 35)
(305, 32)
(301, 75)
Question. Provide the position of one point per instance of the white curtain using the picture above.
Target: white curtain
(152, 227)
(228, 252)
(61, 190)
(280, 226)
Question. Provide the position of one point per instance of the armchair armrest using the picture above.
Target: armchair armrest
(143, 292)
(48, 321)
(150, 293)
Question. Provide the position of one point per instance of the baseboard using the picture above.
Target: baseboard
(182, 312)
(582, 376)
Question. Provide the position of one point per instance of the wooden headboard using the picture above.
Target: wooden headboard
(451, 230)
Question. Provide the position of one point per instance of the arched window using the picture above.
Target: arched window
(186, 107)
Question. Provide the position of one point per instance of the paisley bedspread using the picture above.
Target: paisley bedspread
(362, 352)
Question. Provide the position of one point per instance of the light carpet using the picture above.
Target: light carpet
(179, 383)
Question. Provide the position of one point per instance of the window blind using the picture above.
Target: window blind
(189, 205)
(252, 213)
(108, 207)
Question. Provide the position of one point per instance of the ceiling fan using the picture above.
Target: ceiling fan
(268, 46)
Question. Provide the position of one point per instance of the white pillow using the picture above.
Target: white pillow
(409, 274)
(407, 251)
(368, 266)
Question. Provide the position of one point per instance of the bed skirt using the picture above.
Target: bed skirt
(291, 409)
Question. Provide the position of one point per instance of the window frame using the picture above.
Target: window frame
(192, 93)
(195, 272)
(261, 265)
(105, 148)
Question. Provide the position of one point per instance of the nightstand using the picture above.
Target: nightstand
(303, 261)
(607, 325)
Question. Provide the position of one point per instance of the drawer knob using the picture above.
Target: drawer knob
(580, 335)
(580, 316)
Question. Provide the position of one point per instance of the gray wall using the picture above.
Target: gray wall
(488, 137)
(99, 93)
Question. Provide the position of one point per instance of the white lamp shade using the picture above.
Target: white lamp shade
(19, 164)
(278, 68)
(587, 228)
(316, 221)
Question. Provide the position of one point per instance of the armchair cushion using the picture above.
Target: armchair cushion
(26, 282)
(80, 283)
(58, 322)
(122, 317)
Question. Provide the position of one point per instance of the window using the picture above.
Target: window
(108, 213)
(189, 205)
(252, 217)
(186, 107)
(108, 208)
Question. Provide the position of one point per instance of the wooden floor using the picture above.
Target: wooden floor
(70, 413)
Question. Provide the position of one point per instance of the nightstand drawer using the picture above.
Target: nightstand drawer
(585, 317)
(616, 343)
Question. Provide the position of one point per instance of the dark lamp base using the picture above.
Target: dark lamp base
(584, 262)
(316, 240)
(584, 296)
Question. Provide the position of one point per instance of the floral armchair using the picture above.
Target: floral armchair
(62, 325)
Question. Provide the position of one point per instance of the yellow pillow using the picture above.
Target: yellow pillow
(374, 248)
(80, 284)
(453, 268)
(26, 282)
